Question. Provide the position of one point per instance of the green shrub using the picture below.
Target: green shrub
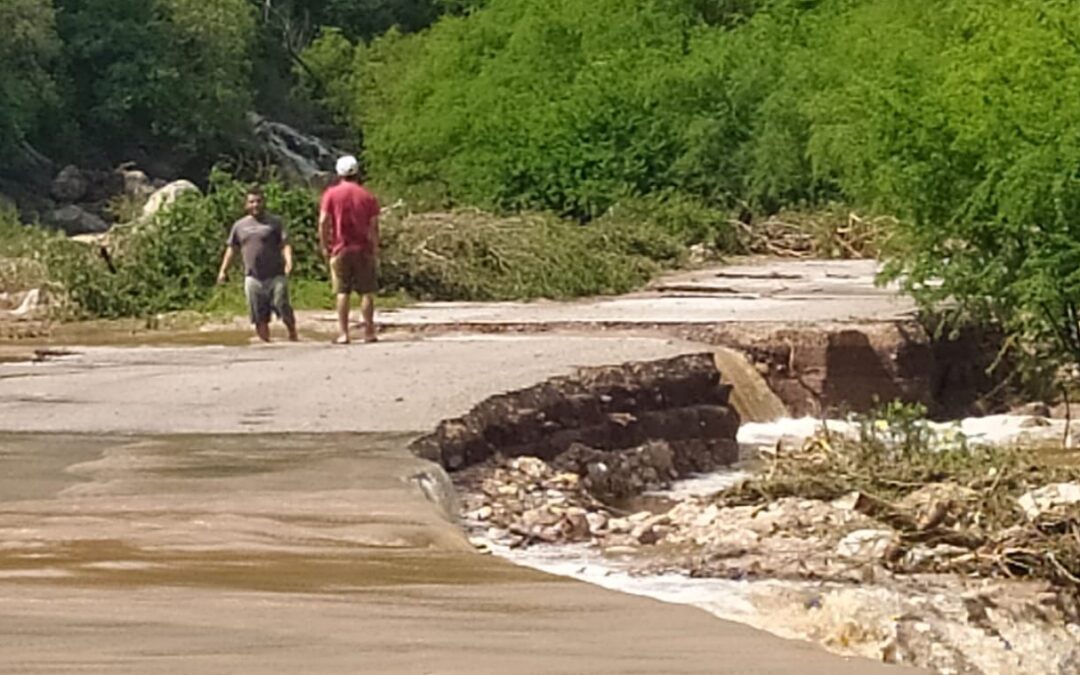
(29, 49)
(172, 72)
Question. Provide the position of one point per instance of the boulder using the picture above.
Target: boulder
(137, 184)
(1048, 498)
(70, 184)
(865, 545)
(166, 196)
(30, 303)
(75, 220)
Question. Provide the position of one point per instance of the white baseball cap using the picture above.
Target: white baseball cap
(347, 166)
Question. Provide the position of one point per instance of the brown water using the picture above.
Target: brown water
(268, 512)
(302, 554)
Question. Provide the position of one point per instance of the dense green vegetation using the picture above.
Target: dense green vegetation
(961, 118)
(84, 80)
(170, 263)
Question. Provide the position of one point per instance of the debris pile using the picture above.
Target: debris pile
(971, 510)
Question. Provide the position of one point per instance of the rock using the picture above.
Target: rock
(30, 303)
(575, 525)
(300, 155)
(923, 557)
(481, 545)
(539, 518)
(167, 196)
(1038, 502)
(482, 513)
(938, 504)
(619, 550)
(1064, 410)
(137, 184)
(598, 522)
(70, 184)
(75, 220)
(1032, 410)
(865, 544)
(531, 467)
(706, 517)
(647, 536)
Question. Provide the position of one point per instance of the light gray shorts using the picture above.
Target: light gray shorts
(268, 296)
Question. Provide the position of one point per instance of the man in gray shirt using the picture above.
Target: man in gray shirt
(267, 255)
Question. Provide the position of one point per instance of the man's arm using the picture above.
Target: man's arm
(226, 260)
(373, 235)
(286, 251)
(324, 232)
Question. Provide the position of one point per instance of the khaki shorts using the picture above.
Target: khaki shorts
(355, 272)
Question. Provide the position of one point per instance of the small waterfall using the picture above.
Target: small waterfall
(750, 396)
(302, 156)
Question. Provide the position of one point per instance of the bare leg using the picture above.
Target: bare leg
(262, 329)
(343, 318)
(367, 308)
(290, 325)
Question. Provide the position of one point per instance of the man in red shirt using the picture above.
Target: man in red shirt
(349, 238)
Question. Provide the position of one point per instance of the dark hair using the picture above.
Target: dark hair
(256, 191)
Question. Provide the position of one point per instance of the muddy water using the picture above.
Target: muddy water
(302, 554)
(295, 512)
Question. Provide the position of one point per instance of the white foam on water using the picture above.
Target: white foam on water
(998, 430)
(702, 485)
(732, 600)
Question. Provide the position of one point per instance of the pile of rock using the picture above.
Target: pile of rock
(574, 499)
(83, 202)
(525, 500)
(614, 475)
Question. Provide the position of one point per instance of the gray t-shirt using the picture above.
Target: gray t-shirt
(260, 243)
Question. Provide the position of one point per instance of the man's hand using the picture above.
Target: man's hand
(226, 260)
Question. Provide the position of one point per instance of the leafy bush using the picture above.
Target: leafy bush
(959, 117)
(559, 107)
(175, 72)
(28, 50)
(171, 263)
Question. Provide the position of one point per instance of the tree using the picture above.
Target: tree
(165, 72)
(963, 117)
(29, 49)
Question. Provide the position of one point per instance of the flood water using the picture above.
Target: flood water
(266, 512)
(132, 554)
(302, 554)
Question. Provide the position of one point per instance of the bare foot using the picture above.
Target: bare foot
(370, 338)
(342, 340)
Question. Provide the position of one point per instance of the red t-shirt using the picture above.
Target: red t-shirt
(353, 212)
